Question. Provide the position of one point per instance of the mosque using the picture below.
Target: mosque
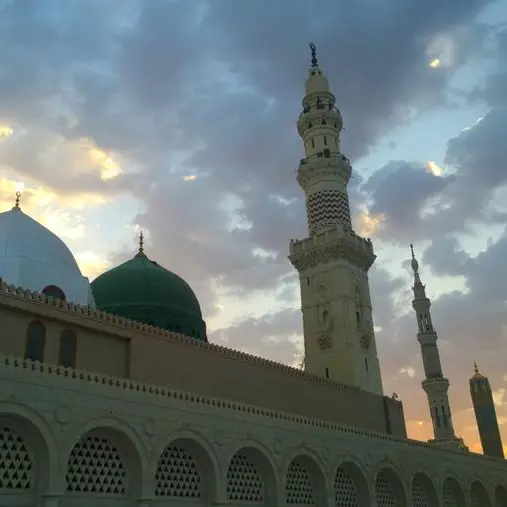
(111, 394)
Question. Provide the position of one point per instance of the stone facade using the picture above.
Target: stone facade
(72, 438)
(115, 346)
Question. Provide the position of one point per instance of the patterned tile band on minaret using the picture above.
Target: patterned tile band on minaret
(333, 261)
(435, 384)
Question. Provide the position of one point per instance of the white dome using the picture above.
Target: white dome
(34, 258)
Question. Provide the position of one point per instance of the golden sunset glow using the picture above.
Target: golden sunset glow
(5, 132)
(435, 63)
(109, 169)
(369, 224)
(92, 264)
(433, 168)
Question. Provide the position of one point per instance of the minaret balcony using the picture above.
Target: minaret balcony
(330, 245)
(322, 165)
(435, 385)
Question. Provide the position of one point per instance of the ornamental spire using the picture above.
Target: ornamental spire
(16, 202)
(313, 49)
(141, 253)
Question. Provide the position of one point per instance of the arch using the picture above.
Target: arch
(67, 348)
(25, 431)
(422, 491)
(52, 291)
(305, 480)
(195, 464)
(108, 456)
(35, 341)
(350, 486)
(500, 496)
(389, 489)
(478, 495)
(452, 493)
(251, 476)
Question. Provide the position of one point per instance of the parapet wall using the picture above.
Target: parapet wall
(146, 354)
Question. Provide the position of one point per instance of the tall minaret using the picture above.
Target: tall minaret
(485, 414)
(435, 384)
(333, 261)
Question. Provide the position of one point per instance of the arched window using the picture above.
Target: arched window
(35, 341)
(67, 349)
(53, 291)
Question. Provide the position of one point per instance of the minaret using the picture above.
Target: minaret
(333, 261)
(485, 414)
(435, 384)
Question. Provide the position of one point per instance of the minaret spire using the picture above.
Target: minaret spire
(333, 261)
(435, 384)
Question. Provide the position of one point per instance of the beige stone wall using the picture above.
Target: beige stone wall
(110, 346)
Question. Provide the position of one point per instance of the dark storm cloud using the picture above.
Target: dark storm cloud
(214, 89)
(417, 205)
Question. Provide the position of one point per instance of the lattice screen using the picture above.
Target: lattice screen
(419, 495)
(450, 499)
(298, 488)
(16, 464)
(244, 483)
(478, 497)
(95, 466)
(177, 474)
(345, 493)
(384, 491)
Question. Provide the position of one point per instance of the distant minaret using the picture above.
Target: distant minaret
(435, 384)
(485, 414)
(333, 261)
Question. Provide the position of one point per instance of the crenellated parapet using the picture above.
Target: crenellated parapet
(330, 245)
(47, 371)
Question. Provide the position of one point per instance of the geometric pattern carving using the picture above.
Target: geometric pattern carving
(419, 495)
(177, 474)
(327, 209)
(345, 492)
(298, 489)
(95, 466)
(16, 465)
(384, 491)
(244, 483)
(450, 499)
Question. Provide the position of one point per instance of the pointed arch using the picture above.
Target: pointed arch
(196, 468)
(350, 485)
(251, 475)
(478, 495)
(304, 479)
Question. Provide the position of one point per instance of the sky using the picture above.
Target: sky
(178, 118)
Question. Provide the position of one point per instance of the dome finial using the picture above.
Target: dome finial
(16, 202)
(141, 253)
(313, 49)
(476, 368)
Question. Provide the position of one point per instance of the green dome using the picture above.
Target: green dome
(141, 290)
